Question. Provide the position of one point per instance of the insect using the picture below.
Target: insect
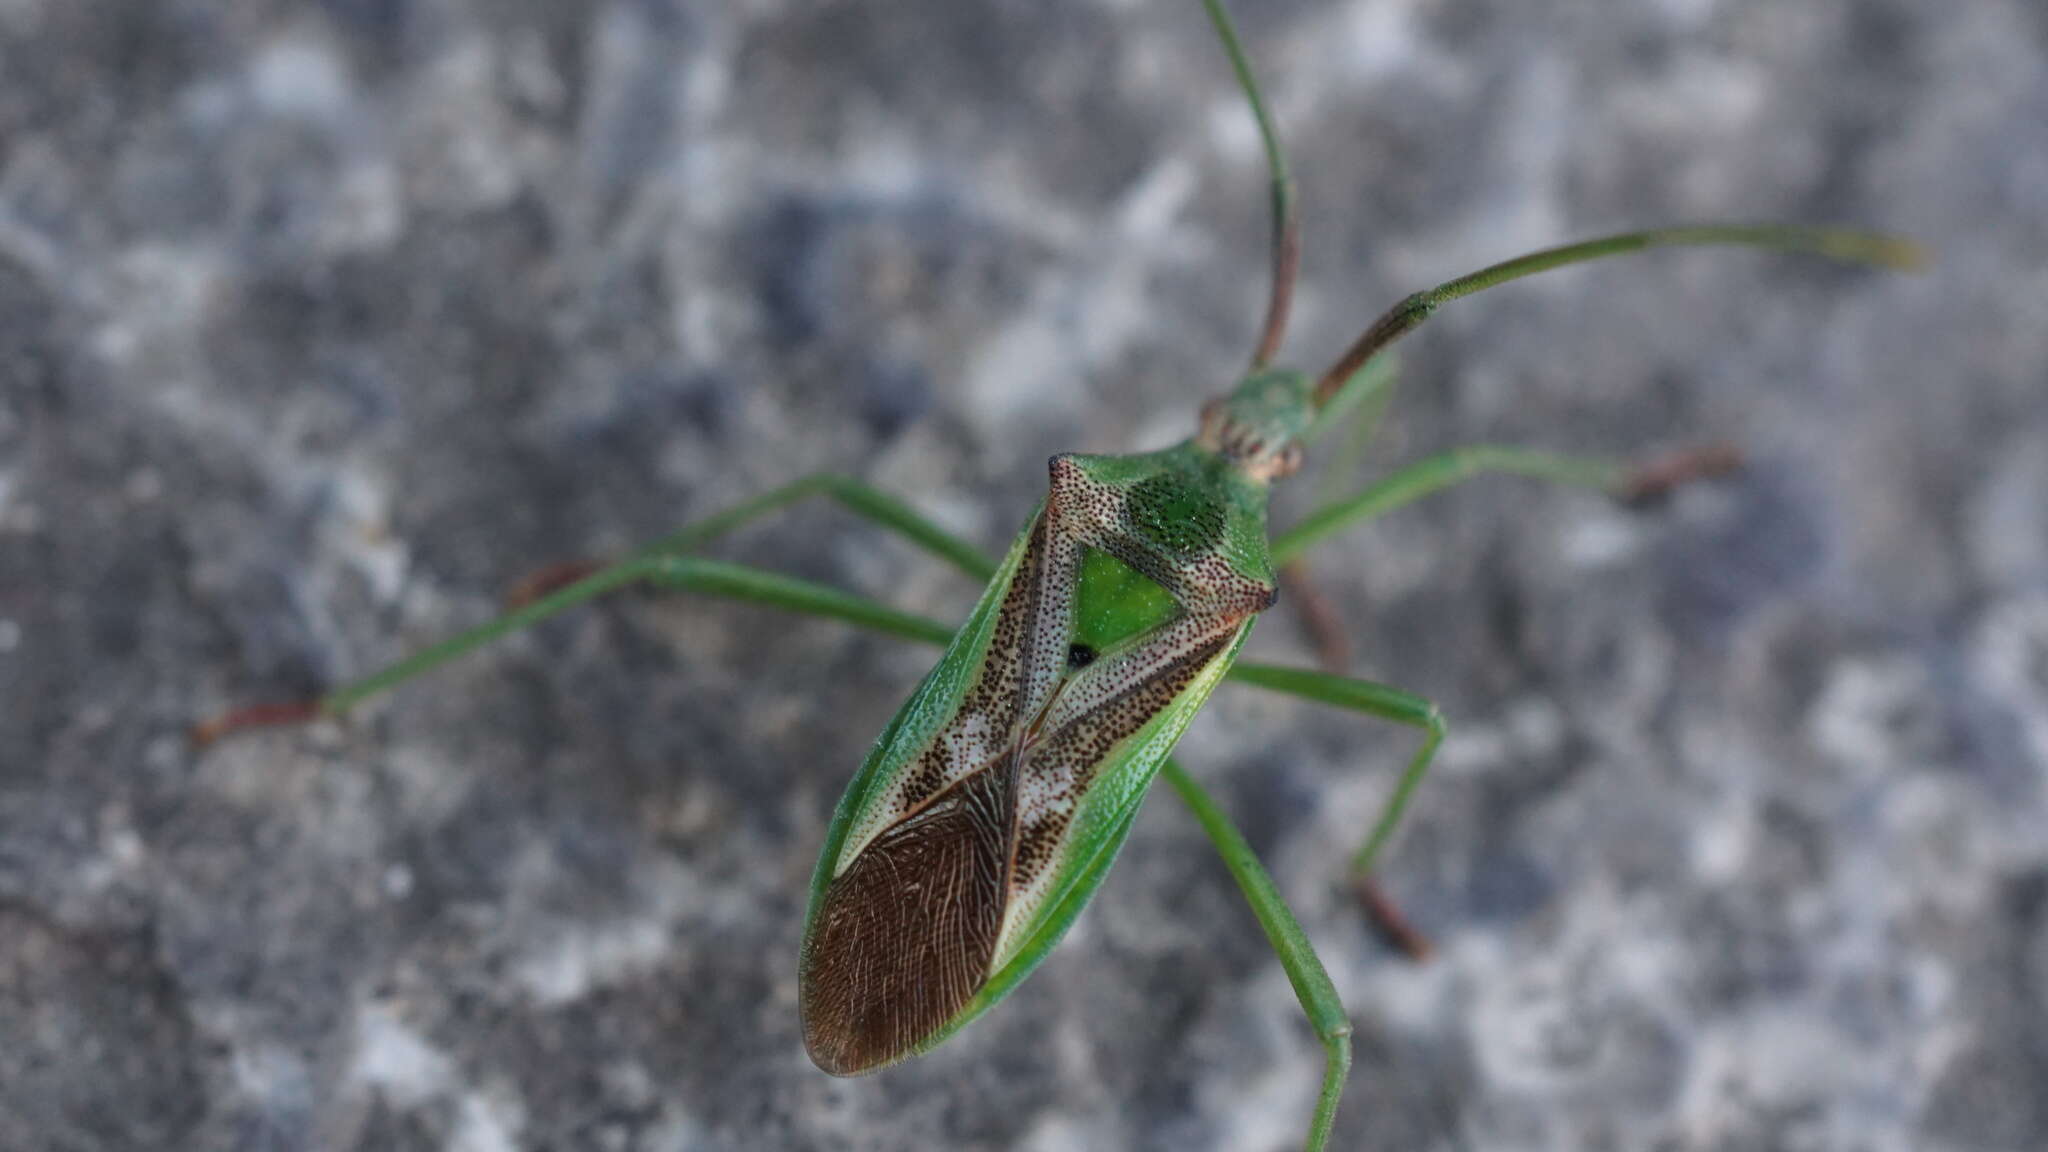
(993, 804)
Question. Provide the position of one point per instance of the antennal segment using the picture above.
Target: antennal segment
(1286, 231)
(1835, 243)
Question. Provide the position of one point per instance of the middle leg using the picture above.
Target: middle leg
(1387, 703)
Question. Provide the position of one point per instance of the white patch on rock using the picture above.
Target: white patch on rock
(362, 493)
(2009, 657)
(300, 77)
(272, 1074)
(1857, 719)
(162, 293)
(487, 1122)
(470, 155)
(396, 1062)
(575, 963)
(1010, 374)
(1379, 39)
(570, 960)
(1058, 1133)
(1602, 540)
(1722, 845)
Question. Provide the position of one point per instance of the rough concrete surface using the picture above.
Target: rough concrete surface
(321, 322)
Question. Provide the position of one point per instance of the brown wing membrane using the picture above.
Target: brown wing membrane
(906, 933)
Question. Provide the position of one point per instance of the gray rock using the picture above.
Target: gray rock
(320, 323)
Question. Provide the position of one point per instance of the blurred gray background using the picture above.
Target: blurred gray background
(322, 322)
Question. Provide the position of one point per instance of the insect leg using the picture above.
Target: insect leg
(1312, 986)
(790, 594)
(1359, 408)
(1379, 700)
(568, 586)
(1318, 618)
(1315, 616)
(863, 500)
(731, 581)
(1437, 473)
(740, 582)
(1633, 485)
(1305, 972)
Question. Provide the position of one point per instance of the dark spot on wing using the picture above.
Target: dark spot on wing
(1077, 749)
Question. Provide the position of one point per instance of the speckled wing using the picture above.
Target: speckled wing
(989, 810)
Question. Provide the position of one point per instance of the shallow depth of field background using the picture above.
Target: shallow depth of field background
(321, 322)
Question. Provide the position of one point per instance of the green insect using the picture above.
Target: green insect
(990, 809)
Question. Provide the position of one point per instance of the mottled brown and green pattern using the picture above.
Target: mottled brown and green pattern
(985, 815)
